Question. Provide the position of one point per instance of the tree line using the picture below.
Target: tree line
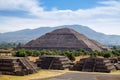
(71, 54)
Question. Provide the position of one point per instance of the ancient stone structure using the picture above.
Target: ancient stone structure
(62, 39)
(6, 52)
(16, 66)
(53, 62)
(117, 63)
(94, 65)
(113, 60)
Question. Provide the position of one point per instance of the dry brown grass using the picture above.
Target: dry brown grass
(31, 58)
(40, 74)
(80, 57)
(84, 56)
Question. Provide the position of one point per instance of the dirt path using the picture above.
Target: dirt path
(84, 76)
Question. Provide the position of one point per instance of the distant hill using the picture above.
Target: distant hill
(26, 35)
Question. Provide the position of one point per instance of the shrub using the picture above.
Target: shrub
(94, 54)
(20, 53)
(107, 55)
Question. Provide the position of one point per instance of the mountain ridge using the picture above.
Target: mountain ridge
(24, 36)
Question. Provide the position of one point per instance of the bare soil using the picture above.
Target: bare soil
(31, 58)
(84, 76)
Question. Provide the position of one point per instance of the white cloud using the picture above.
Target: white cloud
(23, 5)
(103, 18)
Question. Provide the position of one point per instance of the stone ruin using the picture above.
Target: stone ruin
(62, 39)
(94, 65)
(53, 62)
(17, 66)
(116, 62)
(6, 52)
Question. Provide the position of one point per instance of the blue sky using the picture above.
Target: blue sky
(100, 15)
(69, 4)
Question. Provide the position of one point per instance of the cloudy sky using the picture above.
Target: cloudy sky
(100, 15)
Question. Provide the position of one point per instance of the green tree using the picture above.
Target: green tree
(69, 54)
(94, 54)
(107, 55)
(36, 53)
(20, 53)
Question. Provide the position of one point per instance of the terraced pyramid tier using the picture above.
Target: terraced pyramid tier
(53, 62)
(17, 66)
(64, 38)
(94, 65)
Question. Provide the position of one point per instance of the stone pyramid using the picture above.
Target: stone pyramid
(17, 66)
(53, 62)
(65, 38)
(92, 64)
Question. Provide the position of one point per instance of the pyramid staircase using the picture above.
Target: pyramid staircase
(88, 65)
(28, 67)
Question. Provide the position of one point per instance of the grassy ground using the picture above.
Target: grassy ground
(40, 74)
